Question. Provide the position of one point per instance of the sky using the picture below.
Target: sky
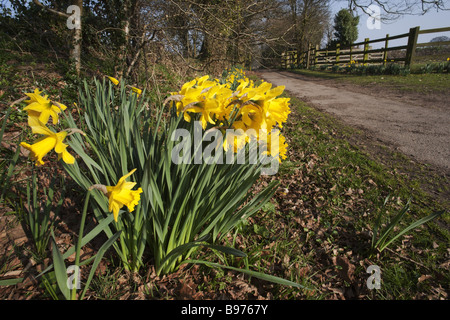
(430, 20)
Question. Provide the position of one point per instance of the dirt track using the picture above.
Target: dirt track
(417, 127)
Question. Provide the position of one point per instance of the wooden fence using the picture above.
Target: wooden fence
(365, 55)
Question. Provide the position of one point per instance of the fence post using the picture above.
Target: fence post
(308, 56)
(412, 43)
(315, 54)
(351, 51)
(386, 43)
(366, 48)
(338, 52)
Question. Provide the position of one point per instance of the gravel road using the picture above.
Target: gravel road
(419, 130)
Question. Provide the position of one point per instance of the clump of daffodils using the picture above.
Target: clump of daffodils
(249, 108)
(40, 109)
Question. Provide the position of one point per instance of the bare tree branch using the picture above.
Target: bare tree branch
(397, 8)
(59, 13)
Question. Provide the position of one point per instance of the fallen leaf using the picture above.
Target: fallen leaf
(347, 268)
(423, 277)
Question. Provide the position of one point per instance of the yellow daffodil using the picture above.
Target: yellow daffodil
(276, 112)
(48, 142)
(121, 195)
(251, 116)
(204, 82)
(42, 108)
(275, 145)
(211, 104)
(113, 80)
(205, 97)
(273, 110)
(247, 107)
(234, 140)
(136, 90)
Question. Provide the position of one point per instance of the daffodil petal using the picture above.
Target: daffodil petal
(37, 126)
(40, 148)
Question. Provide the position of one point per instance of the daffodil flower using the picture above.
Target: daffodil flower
(136, 90)
(275, 145)
(205, 97)
(47, 143)
(234, 140)
(252, 116)
(42, 108)
(113, 80)
(121, 195)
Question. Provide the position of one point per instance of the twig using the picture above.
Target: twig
(59, 13)
(409, 259)
(18, 101)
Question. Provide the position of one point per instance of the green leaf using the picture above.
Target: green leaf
(385, 233)
(378, 223)
(60, 270)
(10, 282)
(227, 250)
(178, 251)
(86, 239)
(255, 274)
(412, 226)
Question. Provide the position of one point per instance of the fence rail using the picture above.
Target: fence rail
(338, 55)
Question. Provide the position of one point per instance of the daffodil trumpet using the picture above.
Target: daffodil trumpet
(113, 80)
(135, 90)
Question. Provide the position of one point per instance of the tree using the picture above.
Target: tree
(440, 39)
(77, 34)
(346, 27)
(293, 26)
(394, 9)
(216, 34)
(314, 16)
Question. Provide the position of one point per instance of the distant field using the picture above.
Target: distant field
(421, 83)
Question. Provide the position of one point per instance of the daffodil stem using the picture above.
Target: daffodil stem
(78, 247)
(71, 131)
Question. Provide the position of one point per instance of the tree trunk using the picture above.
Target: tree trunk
(123, 50)
(77, 38)
(75, 53)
